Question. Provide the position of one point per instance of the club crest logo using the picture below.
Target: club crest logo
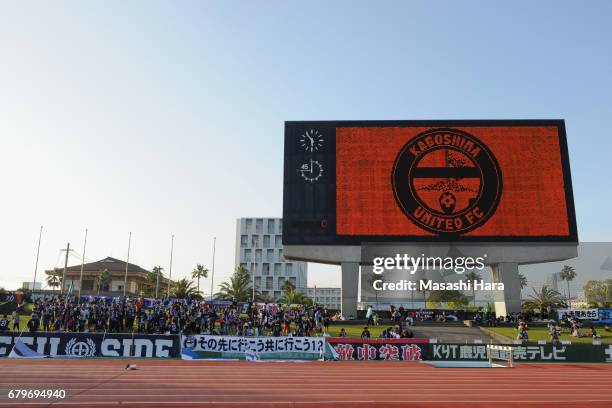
(447, 181)
(85, 348)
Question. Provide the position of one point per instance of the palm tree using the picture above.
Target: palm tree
(293, 296)
(522, 283)
(199, 272)
(264, 298)
(54, 278)
(104, 278)
(545, 299)
(183, 288)
(522, 280)
(156, 274)
(373, 278)
(238, 287)
(568, 274)
(472, 277)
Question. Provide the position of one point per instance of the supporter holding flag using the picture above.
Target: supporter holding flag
(4, 324)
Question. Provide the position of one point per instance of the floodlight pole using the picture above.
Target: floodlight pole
(82, 266)
(37, 255)
(170, 270)
(212, 276)
(127, 263)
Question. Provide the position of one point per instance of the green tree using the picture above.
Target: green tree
(184, 288)
(154, 277)
(150, 287)
(199, 272)
(598, 293)
(568, 274)
(472, 277)
(238, 287)
(453, 298)
(545, 299)
(104, 279)
(54, 278)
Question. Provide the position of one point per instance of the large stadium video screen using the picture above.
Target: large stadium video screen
(447, 181)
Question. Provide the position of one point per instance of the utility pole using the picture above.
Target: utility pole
(126, 265)
(170, 271)
(212, 276)
(37, 254)
(65, 265)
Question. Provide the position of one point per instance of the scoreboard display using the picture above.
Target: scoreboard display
(353, 182)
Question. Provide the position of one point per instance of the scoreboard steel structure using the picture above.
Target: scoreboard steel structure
(358, 189)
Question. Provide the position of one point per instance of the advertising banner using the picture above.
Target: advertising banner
(579, 314)
(605, 315)
(384, 349)
(94, 344)
(11, 297)
(234, 347)
(575, 353)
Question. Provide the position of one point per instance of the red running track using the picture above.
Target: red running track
(234, 384)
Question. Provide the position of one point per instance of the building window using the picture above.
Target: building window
(88, 284)
(269, 283)
(265, 269)
(258, 255)
(270, 226)
(266, 241)
(257, 282)
(288, 269)
(277, 269)
(293, 281)
(253, 268)
(278, 241)
(277, 294)
(280, 255)
(249, 226)
(270, 255)
(247, 255)
(280, 226)
(281, 282)
(259, 226)
(255, 241)
(244, 240)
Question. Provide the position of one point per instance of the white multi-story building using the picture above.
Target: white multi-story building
(259, 249)
(328, 297)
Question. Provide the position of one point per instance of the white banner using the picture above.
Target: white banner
(260, 345)
(580, 314)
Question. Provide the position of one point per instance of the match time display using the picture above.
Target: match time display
(486, 181)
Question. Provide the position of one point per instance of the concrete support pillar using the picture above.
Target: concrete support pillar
(508, 300)
(350, 286)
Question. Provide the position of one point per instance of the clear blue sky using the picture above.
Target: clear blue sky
(167, 117)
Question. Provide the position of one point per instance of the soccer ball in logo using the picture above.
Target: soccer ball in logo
(447, 201)
(85, 348)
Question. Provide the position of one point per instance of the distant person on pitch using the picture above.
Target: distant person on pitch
(15, 316)
(370, 316)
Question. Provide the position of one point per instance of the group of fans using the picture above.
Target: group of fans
(173, 316)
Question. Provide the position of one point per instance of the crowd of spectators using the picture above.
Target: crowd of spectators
(173, 316)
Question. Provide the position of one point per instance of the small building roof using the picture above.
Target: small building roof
(109, 263)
